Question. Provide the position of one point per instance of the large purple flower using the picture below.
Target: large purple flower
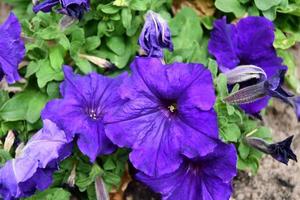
(249, 42)
(86, 100)
(12, 49)
(201, 178)
(168, 110)
(33, 169)
(155, 35)
(72, 8)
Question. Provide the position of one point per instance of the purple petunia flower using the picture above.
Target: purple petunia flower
(249, 42)
(207, 177)
(12, 49)
(155, 35)
(86, 100)
(280, 151)
(33, 169)
(72, 8)
(168, 110)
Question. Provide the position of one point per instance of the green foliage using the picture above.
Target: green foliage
(235, 125)
(189, 43)
(51, 194)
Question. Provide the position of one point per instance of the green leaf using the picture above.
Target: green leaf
(291, 76)
(243, 150)
(109, 164)
(51, 194)
(53, 90)
(49, 33)
(4, 156)
(116, 44)
(108, 8)
(56, 57)
(231, 133)
(222, 85)
(92, 43)
(46, 73)
(231, 6)
(186, 29)
(3, 97)
(266, 4)
(282, 41)
(77, 41)
(126, 17)
(84, 65)
(270, 13)
(32, 68)
(24, 106)
(139, 5)
(213, 67)
(84, 180)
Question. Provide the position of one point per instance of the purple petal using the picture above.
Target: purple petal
(14, 172)
(12, 49)
(46, 145)
(92, 141)
(206, 177)
(223, 45)
(45, 6)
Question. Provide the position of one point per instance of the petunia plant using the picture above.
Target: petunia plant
(95, 93)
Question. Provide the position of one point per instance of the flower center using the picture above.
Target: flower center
(92, 114)
(172, 107)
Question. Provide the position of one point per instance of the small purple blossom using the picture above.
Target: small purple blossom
(72, 8)
(168, 110)
(280, 151)
(86, 100)
(200, 178)
(33, 169)
(12, 49)
(249, 42)
(155, 35)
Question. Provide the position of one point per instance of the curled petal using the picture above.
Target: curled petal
(244, 73)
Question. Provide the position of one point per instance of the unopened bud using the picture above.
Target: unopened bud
(9, 141)
(100, 62)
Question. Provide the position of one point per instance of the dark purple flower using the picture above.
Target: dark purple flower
(271, 87)
(168, 110)
(207, 177)
(249, 42)
(72, 8)
(86, 100)
(33, 169)
(12, 49)
(280, 151)
(155, 35)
